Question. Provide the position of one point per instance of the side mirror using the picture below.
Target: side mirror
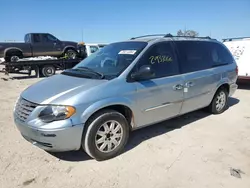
(145, 72)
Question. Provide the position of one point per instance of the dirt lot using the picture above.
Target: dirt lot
(196, 150)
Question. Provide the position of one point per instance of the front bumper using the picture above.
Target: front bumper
(57, 140)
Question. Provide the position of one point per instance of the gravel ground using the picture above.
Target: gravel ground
(195, 150)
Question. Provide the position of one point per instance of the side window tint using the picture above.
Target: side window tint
(194, 56)
(220, 55)
(162, 60)
(48, 38)
(36, 38)
(51, 38)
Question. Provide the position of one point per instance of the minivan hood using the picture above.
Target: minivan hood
(55, 89)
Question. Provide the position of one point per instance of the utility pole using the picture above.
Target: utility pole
(82, 35)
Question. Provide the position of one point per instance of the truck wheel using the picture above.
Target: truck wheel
(106, 135)
(13, 55)
(70, 54)
(48, 70)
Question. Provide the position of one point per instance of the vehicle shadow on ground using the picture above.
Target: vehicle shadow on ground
(23, 77)
(164, 127)
(72, 156)
(138, 136)
(27, 77)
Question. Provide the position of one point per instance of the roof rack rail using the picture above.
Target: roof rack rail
(169, 35)
(147, 36)
(236, 38)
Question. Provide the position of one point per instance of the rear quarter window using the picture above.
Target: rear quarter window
(220, 54)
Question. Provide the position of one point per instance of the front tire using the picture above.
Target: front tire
(106, 135)
(70, 54)
(220, 101)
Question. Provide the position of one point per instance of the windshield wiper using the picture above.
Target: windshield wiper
(90, 70)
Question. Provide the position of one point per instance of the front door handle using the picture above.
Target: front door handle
(178, 87)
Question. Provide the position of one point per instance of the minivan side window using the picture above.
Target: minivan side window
(193, 56)
(162, 60)
(220, 55)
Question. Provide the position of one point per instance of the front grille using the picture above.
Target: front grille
(23, 109)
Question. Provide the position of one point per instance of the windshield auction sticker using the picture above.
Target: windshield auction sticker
(130, 52)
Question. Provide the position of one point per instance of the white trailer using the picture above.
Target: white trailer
(240, 49)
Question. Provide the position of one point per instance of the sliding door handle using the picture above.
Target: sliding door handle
(189, 84)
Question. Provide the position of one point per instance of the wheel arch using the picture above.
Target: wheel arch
(122, 106)
(68, 48)
(223, 84)
(12, 49)
(226, 86)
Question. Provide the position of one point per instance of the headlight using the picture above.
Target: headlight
(54, 113)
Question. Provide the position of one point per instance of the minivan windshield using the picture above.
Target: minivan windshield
(108, 62)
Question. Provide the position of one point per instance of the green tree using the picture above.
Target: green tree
(189, 33)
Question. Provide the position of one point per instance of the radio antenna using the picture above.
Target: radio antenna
(82, 35)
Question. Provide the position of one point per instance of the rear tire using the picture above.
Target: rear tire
(48, 70)
(105, 135)
(220, 101)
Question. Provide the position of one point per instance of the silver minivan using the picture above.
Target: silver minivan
(122, 87)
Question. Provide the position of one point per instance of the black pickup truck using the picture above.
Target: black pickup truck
(38, 44)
